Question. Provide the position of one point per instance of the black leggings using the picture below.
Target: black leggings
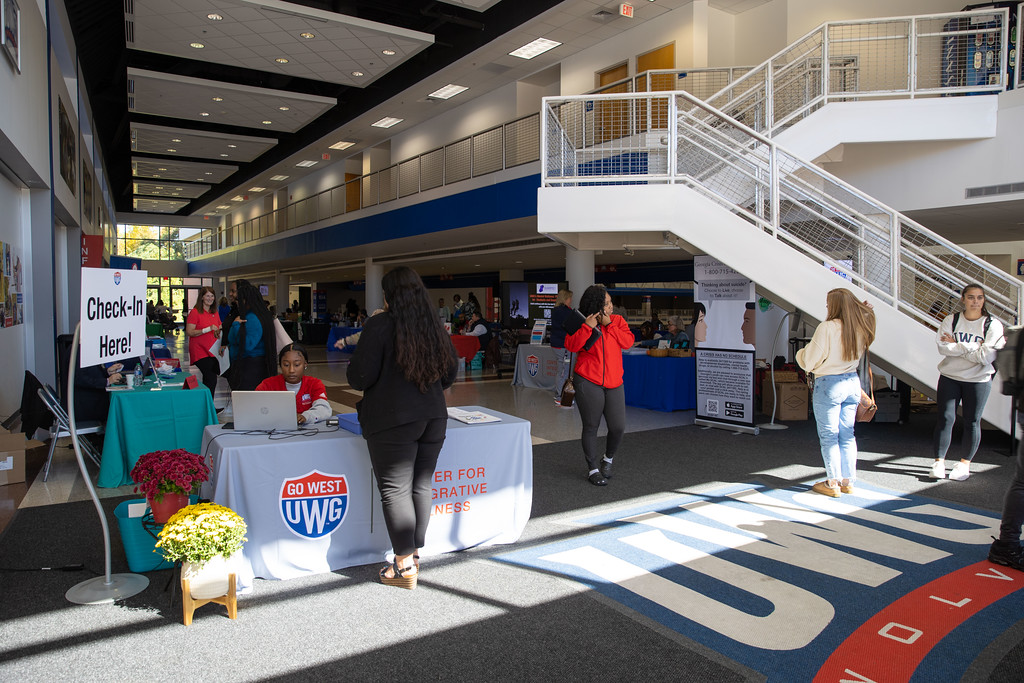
(247, 373)
(973, 396)
(594, 401)
(403, 460)
(210, 369)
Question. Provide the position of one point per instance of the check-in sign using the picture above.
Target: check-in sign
(113, 314)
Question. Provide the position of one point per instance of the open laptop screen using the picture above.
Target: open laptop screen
(263, 410)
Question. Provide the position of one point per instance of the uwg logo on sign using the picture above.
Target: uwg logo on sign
(532, 365)
(314, 504)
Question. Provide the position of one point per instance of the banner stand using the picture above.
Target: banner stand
(737, 428)
(104, 589)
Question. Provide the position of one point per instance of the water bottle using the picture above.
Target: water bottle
(138, 375)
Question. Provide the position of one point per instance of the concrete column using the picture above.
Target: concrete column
(281, 282)
(374, 290)
(579, 270)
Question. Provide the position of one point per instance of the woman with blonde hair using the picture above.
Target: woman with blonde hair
(833, 355)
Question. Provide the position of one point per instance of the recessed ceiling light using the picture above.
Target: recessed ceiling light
(279, 177)
(232, 146)
(281, 60)
(161, 169)
(171, 150)
(256, 189)
(238, 198)
(284, 108)
(537, 47)
(307, 35)
(198, 46)
(266, 122)
(204, 113)
(344, 144)
(155, 175)
(159, 187)
(224, 206)
(218, 99)
(223, 154)
(199, 179)
(387, 122)
(208, 172)
(175, 139)
(388, 53)
(213, 16)
(357, 73)
(450, 90)
(307, 163)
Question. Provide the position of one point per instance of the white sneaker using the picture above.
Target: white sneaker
(960, 471)
(939, 469)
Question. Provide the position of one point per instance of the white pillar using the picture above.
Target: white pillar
(374, 290)
(281, 282)
(579, 270)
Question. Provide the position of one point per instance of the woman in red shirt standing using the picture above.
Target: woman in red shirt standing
(310, 396)
(202, 326)
(598, 344)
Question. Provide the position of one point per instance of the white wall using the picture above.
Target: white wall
(23, 132)
(13, 231)
(804, 15)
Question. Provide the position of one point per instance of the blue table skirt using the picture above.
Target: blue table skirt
(340, 333)
(664, 384)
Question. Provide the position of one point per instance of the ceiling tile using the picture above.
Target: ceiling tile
(171, 169)
(197, 144)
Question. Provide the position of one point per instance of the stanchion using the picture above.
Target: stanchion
(771, 424)
(109, 587)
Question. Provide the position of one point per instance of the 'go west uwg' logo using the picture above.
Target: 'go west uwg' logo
(314, 504)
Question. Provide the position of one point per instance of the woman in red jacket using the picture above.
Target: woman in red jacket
(598, 344)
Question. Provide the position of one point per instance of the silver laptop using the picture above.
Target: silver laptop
(263, 410)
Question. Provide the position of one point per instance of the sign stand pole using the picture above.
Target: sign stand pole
(771, 424)
(109, 587)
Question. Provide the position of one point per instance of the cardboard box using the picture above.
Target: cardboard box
(791, 402)
(12, 457)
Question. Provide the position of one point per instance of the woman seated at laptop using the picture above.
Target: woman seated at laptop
(675, 336)
(310, 396)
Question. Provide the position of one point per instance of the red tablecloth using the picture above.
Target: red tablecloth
(465, 345)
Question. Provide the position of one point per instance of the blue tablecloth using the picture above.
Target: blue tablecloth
(664, 384)
(142, 420)
(340, 333)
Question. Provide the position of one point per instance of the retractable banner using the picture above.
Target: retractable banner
(723, 334)
(113, 315)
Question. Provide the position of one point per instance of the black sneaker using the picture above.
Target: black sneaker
(1007, 554)
(606, 469)
(597, 479)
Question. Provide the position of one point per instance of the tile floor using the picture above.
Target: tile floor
(548, 421)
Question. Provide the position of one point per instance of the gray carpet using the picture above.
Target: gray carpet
(471, 618)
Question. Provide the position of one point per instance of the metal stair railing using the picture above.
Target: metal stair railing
(610, 140)
(955, 53)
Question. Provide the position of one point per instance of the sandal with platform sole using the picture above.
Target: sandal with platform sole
(400, 578)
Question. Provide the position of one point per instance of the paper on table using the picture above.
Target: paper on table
(471, 417)
(225, 360)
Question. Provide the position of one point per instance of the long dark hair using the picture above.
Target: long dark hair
(250, 300)
(975, 285)
(592, 300)
(422, 347)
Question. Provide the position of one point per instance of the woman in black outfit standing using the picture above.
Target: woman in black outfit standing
(403, 364)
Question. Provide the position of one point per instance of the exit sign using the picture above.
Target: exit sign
(626, 10)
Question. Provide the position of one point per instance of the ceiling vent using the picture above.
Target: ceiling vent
(602, 15)
(992, 190)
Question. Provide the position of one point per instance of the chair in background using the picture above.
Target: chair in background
(62, 427)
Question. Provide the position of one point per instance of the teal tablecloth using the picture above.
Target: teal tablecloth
(142, 420)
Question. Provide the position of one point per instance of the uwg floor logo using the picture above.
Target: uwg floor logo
(314, 504)
(875, 586)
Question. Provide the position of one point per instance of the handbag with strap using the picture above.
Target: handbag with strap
(568, 390)
(867, 408)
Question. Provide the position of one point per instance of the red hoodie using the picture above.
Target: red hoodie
(602, 363)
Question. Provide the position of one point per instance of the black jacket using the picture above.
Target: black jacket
(389, 399)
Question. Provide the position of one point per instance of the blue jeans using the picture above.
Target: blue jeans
(835, 410)
(562, 355)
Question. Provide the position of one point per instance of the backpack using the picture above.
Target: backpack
(1008, 363)
(984, 335)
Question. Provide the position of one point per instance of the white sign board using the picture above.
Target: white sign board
(113, 315)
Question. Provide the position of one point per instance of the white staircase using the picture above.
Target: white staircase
(668, 169)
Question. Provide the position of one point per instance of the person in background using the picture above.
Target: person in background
(444, 313)
(164, 317)
(150, 312)
(202, 327)
(968, 343)
(674, 335)
(598, 378)
(480, 328)
(310, 395)
(252, 342)
(1006, 550)
(559, 314)
(833, 355)
(403, 364)
(471, 305)
(458, 314)
(351, 311)
(224, 309)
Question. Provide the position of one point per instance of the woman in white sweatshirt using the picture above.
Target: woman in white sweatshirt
(833, 355)
(967, 343)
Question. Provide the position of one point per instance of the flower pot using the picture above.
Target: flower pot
(165, 509)
(210, 579)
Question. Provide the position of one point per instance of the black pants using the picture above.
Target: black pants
(594, 401)
(210, 369)
(403, 461)
(1013, 506)
(972, 396)
(247, 373)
